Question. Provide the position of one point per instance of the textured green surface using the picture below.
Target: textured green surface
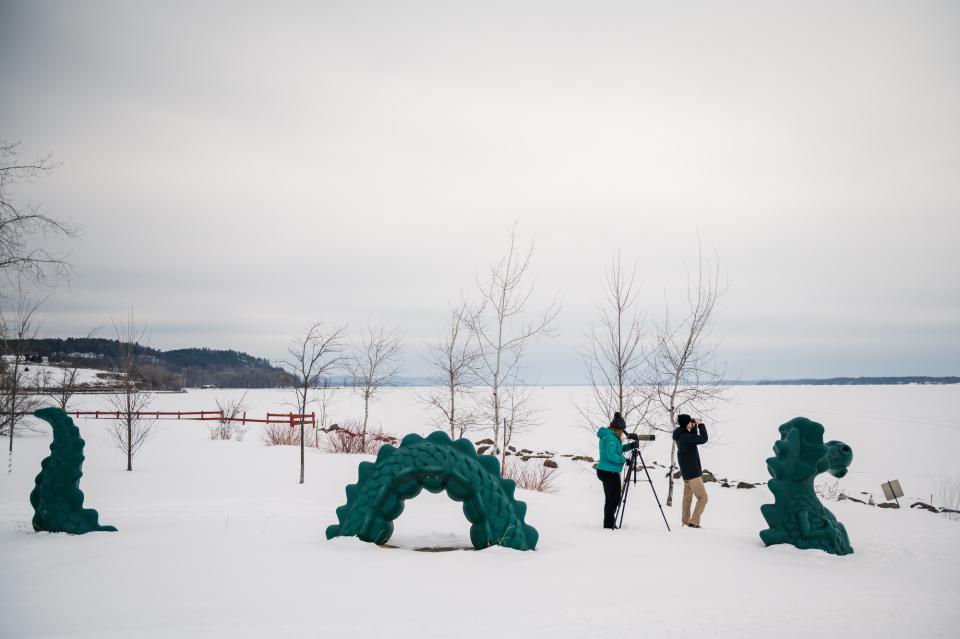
(57, 499)
(436, 463)
(797, 517)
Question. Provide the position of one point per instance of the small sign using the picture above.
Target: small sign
(891, 489)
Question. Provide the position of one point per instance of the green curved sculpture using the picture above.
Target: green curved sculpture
(797, 517)
(436, 463)
(57, 499)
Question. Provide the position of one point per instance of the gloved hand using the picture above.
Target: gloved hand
(633, 445)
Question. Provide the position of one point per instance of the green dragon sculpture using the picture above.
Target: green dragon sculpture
(797, 517)
(57, 499)
(436, 463)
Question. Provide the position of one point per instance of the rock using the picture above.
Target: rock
(526, 450)
(950, 510)
(489, 442)
(550, 463)
(566, 455)
(920, 504)
(743, 484)
(843, 497)
(724, 484)
(888, 505)
(525, 458)
(676, 475)
(708, 477)
(511, 449)
(585, 458)
(482, 450)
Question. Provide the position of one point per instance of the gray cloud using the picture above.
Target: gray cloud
(242, 169)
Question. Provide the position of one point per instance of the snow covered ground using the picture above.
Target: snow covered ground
(217, 538)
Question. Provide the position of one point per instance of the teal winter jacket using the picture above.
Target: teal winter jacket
(611, 451)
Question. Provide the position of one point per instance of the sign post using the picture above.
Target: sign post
(892, 490)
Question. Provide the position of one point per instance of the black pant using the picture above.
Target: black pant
(611, 494)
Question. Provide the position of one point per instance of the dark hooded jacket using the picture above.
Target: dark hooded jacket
(687, 455)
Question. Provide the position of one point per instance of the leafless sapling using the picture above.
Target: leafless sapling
(18, 327)
(615, 356)
(131, 430)
(374, 364)
(685, 377)
(62, 387)
(310, 358)
(502, 329)
(453, 359)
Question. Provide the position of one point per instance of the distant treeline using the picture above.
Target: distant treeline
(185, 367)
(853, 381)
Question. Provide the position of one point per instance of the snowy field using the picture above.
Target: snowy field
(217, 539)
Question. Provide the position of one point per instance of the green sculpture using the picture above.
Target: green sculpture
(57, 499)
(435, 463)
(797, 517)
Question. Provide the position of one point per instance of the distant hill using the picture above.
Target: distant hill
(853, 381)
(174, 369)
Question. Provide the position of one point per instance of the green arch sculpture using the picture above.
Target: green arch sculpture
(56, 498)
(797, 517)
(436, 463)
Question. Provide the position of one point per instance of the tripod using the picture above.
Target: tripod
(632, 477)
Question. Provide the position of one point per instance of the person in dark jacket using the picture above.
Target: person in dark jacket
(611, 465)
(691, 433)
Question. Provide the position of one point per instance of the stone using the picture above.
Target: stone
(550, 464)
(889, 504)
(920, 504)
(743, 484)
(708, 477)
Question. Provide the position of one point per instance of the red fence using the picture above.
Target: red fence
(293, 419)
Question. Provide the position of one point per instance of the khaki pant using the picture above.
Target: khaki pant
(693, 487)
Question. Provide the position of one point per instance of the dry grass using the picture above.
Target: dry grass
(350, 440)
(531, 475)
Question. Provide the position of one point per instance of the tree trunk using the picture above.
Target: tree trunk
(301, 447)
(366, 413)
(673, 456)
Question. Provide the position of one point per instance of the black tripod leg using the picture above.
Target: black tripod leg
(655, 496)
(622, 506)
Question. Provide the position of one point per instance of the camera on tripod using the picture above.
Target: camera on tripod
(642, 438)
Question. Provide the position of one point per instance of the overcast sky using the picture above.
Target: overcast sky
(243, 169)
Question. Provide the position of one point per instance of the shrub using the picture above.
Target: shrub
(281, 435)
(350, 439)
(531, 475)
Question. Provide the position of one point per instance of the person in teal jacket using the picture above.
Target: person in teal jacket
(611, 465)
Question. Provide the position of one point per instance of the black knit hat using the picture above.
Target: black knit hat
(683, 420)
(617, 422)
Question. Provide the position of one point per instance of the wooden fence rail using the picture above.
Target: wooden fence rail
(291, 419)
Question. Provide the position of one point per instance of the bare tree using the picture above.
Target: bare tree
(615, 357)
(325, 391)
(230, 411)
(22, 224)
(311, 357)
(685, 375)
(130, 431)
(61, 388)
(17, 328)
(374, 365)
(502, 331)
(453, 358)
